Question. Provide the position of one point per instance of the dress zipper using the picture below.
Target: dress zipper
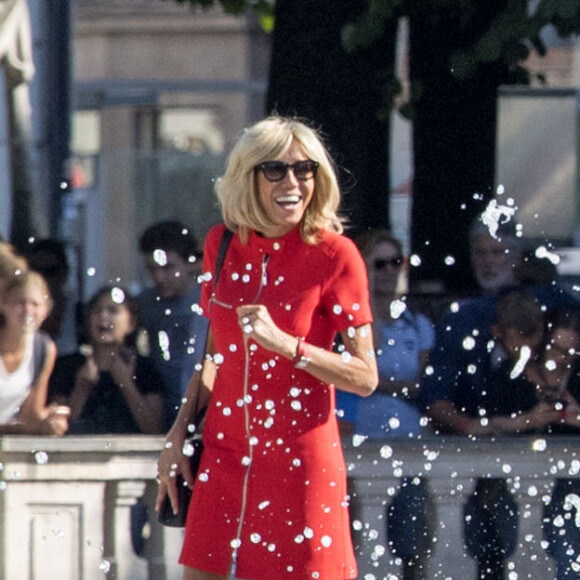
(250, 458)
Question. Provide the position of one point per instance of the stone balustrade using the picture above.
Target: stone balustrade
(450, 465)
(65, 503)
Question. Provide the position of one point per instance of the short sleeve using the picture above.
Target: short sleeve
(426, 333)
(346, 292)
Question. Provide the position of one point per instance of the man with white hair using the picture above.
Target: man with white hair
(453, 388)
(461, 358)
(495, 252)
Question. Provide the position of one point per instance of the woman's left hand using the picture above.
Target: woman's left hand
(256, 323)
(123, 366)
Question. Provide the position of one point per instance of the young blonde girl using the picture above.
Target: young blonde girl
(27, 359)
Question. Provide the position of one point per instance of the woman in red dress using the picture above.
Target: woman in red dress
(270, 496)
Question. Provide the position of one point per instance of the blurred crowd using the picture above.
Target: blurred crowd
(503, 361)
(115, 364)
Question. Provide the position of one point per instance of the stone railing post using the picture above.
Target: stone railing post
(118, 548)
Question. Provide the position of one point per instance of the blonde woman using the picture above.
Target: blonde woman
(27, 358)
(270, 498)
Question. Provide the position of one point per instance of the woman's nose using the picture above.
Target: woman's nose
(291, 177)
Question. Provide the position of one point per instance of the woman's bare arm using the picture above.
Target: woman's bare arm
(353, 370)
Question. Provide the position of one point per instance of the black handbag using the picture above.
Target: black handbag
(193, 446)
(166, 515)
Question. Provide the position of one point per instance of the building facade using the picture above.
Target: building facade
(160, 94)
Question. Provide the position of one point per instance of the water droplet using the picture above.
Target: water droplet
(415, 260)
(394, 423)
(539, 445)
(117, 295)
(160, 257)
(397, 307)
(386, 451)
(41, 457)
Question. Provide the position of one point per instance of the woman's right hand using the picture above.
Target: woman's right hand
(56, 420)
(52, 420)
(171, 463)
(88, 374)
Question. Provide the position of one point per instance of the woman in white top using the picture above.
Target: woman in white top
(27, 358)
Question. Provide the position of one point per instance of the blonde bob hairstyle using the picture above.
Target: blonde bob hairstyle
(19, 282)
(268, 140)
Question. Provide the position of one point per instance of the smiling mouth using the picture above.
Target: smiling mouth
(288, 200)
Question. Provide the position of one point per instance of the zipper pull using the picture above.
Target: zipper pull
(265, 259)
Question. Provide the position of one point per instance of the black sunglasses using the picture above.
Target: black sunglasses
(277, 170)
(379, 263)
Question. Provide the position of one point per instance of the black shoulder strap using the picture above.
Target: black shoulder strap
(224, 243)
(39, 350)
(219, 262)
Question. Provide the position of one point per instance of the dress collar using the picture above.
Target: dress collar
(273, 245)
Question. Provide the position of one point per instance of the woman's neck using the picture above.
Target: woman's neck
(12, 340)
(382, 307)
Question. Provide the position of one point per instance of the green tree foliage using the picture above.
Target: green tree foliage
(508, 36)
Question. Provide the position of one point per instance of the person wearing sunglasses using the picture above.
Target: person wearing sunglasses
(403, 339)
(270, 497)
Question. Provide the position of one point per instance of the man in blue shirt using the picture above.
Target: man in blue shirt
(169, 310)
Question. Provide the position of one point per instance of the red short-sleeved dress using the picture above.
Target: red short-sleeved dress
(271, 490)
